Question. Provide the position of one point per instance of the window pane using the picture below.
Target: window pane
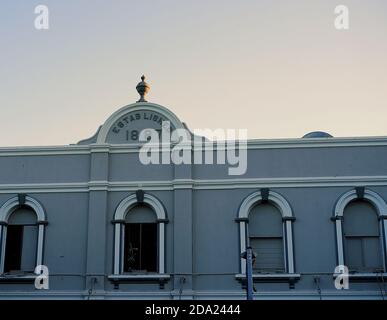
(353, 254)
(372, 254)
(270, 257)
(265, 220)
(29, 247)
(149, 247)
(13, 248)
(132, 247)
(360, 219)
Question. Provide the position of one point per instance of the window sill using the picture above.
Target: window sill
(18, 278)
(271, 276)
(367, 276)
(160, 278)
(291, 278)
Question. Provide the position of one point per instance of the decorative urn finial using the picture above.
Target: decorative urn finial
(142, 89)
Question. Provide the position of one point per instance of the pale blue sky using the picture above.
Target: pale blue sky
(276, 68)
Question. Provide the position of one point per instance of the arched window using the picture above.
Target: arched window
(265, 223)
(360, 217)
(139, 245)
(362, 246)
(22, 223)
(265, 229)
(21, 241)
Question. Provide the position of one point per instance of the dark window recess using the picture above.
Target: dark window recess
(140, 247)
(20, 248)
(13, 249)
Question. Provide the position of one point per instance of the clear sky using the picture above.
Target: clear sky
(277, 68)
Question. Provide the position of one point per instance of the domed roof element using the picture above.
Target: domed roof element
(317, 134)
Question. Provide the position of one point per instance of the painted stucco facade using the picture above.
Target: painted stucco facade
(81, 187)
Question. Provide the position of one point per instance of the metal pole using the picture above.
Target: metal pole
(249, 273)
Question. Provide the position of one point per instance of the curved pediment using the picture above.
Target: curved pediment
(125, 125)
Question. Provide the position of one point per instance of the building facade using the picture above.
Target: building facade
(107, 226)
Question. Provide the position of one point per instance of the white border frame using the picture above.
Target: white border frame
(119, 218)
(287, 216)
(381, 208)
(5, 212)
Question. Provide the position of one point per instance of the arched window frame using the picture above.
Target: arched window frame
(119, 221)
(287, 217)
(381, 208)
(5, 212)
